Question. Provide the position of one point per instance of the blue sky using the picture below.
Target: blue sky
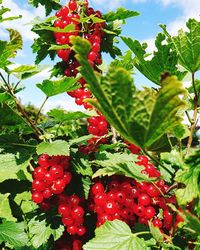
(173, 13)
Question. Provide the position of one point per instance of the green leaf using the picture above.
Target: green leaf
(141, 117)
(189, 176)
(60, 115)
(86, 181)
(115, 235)
(4, 97)
(187, 45)
(48, 4)
(40, 230)
(42, 44)
(51, 88)
(68, 28)
(120, 14)
(5, 211)
(192, 222)
(25, 71)
(82, 165)
(12, 120)
(119, 163)
(57, 47)
(11, 164)
(4, 10)
(156, 233)
(58, 147)
(9, 49)
(13, 233)
(25, 202)
(80, 140)
(163, 60)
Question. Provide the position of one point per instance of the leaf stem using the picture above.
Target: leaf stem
(40, 109)
(194, 120)
(141, 233)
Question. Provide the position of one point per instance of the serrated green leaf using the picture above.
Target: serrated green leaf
(141, 117)
(25, 202)
(48, 4)
(187, 45)
(11, 164)
(82, 165)
(80, 140)
(86, 185)
(57, 47)
(115, 235)
(58, 147)
(119, 163)
(51, 88)
(5, 211)
(120, 14)
(68, 28)
(9, 49)
(40, 231)
(163, 60)
(181, 131)
(189, 176)
(60, 115)
(4, 10)
(25, 71)
(13, 233)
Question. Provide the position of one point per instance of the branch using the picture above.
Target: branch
(194, 120)
(40, 109)
(20, 107)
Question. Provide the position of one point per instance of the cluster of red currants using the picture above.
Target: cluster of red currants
(48, 189)
(93, 32)
(69, 15)
(125, 199)
(72, 214)
(50, 177)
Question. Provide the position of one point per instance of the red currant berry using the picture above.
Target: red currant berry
(37, 197)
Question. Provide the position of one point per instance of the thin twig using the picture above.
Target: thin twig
(40, 109)
(20, 107)
(193, 122)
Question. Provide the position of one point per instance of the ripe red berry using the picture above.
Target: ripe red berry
(72, 230)
(77, 212)
(81, 231)
(58, 186)
(37, 197)
(64, 210)
(38, 185)
(110, 207)
(157, 223)
(56, 172)
(144, 199)
(72, 5)
(97, 188)
(149, 212)
(152, 191)
(39, 173)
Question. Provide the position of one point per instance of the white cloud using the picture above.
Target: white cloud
(20, 24)
(107, 5)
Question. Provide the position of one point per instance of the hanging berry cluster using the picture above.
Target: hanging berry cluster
(50, 180)
(126, 199)
(73, 13)
(117, 197)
